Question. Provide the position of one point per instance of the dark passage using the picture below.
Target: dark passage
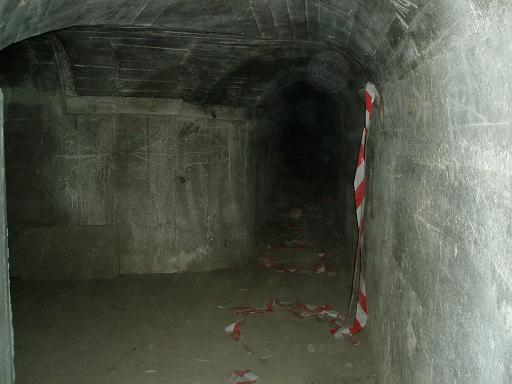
(302, 217)
(311, 137)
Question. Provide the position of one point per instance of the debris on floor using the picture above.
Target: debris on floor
(247, 348)
(272, 247)
(288, 244)
(288, 342)
(264, 359)
(233, 330)
(296, 213)
(201, 360)
(243, 377)
(320, 265)
(298, 310)
(243, 311)
(299, 244)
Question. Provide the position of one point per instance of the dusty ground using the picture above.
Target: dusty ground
(170, 329)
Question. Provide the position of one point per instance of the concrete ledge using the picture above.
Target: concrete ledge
(67, 253)
(84, 105)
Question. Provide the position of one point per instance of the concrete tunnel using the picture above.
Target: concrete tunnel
(174, 168)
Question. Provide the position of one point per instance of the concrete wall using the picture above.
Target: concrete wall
(6, 334)
(102, 185)
(439, 235)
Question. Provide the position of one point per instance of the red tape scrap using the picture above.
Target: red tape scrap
(243, 377)
(299, 310)
(319, 267)
(297, 244)
(233, 330)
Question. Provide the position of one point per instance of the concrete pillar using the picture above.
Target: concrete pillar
(6, 332)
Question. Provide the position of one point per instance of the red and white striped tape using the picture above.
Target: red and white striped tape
(233, 330)
(320, 312)
(243, 377)
(320, 265)
(361, 319)
(361, 312)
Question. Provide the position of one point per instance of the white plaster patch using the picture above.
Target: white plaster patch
(411, 339)
(184, 259)
(506, 309)
(403, 7)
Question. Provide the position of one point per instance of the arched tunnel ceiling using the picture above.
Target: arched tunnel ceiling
(359, 26)
(141, 62)
(214, 50)
(194, 66)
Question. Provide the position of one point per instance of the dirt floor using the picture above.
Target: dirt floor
(170, 329)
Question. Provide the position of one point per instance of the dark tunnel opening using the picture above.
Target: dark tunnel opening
(302, 212)
(310, 141)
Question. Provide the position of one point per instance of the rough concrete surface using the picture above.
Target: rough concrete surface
(170, 328)
(175, 187)
(438, 236)
(6, 334)
(66, 253)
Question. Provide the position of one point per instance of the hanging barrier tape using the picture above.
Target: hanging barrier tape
(322, 312)
(359, 286)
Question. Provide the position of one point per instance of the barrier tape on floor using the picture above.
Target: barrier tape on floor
(299, 310)
(243, 377)
(320, 265)
(361, 317)
(233, 330)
